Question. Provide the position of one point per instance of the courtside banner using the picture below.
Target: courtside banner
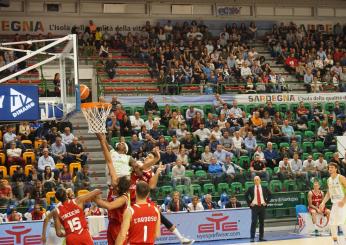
(219, 224)
(202, 226)
(19, 103)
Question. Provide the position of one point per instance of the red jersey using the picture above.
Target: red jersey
(116, 215)
(316, 198)
(72, 217)
(143, 224)
(96, 212)
(146, 176)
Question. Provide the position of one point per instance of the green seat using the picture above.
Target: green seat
(114, 140)
(307, 146)
(242, 107)
(128, 110)
(248, 184)
(293, 107)
(168, 138)
(163, 129)
(207, 109)
(222, 187)
(264, 183)
(290, 185)
(209, 188)
(275, 186)
(262, 145)
(283, 108)
(309, 135)
(201, 174)
(276, 170)
(307, 106)
(182, 189)
(244, 161)
(312, 126)
(237, 188)
(196, 189)
(250, 107)
(316, 155)
(319, 146)
(328, 155)
(329, 106)
(140, 109)
(183, 109)
(284, 144)
(305, 155)
(270, 172)
(166, 190)
(189, 173)
(275, 146)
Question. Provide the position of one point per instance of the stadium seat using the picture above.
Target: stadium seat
(82, 192)
(50, 197)
(290, 185)
(27, 144)
(319, 146)
(128, 110)
(37, 144)
(309, 136)
(1, 145)
(196, 189)
(114, 140)
(29, 157)
(244, 161)
(328, 155)
(168, 138)
(283, 108)
(237, 188)
(207, 109)
(74, 167)
(222, 188)
(275, 186)
(60, 166)
(209, 189)
(275, 146)
(2, 158)
(201, 174)
(307, 147)
(248, 184)
(329, 106)
(28, 169)
(139, 109)
(293, 107)
(189, 173)
(284, 144)
(182, 189)
(166, 190)
(312, 126)
(316, 155)
(13, 169)
(250, 107)
(3, 172)
(264, 183)
(305, 155)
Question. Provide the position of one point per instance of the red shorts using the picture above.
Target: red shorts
(81, 239)
(113, 231)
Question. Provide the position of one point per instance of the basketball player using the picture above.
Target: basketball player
(336, 192)
(315, 197)
(141, 171)
(69, 214)
(141, 222)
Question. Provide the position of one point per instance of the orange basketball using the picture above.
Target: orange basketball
(84, 92)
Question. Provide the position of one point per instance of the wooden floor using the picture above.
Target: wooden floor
(302, 241)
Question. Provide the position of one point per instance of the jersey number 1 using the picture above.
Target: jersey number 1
(145, 229)
(74, 224)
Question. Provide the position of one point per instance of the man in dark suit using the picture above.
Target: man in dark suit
(257, 198)
(233, 202)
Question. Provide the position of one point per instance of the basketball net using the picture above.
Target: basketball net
(96, 115)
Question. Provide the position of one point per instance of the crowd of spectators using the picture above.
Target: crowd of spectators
(315, 56)
(36, 159)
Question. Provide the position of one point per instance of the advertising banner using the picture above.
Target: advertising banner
(206, 226)
(18, 103)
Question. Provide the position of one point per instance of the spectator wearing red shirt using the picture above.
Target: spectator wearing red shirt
(337, 55)
(302, 112)
(291, 63)
(14, 216)
(37, 213)
(5, 193)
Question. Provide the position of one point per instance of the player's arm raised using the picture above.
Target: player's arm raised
(158, 225)
(153, 180)
(87, 197)
(125, 225)
(120, 201)
(151, 159)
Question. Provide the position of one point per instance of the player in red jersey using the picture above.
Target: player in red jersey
(315, 198)
(141, 222)
(69, 214)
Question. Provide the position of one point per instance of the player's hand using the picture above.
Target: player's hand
(44, 239)
(341, 204)
(98, 192)
(322, 206)
(161, 168)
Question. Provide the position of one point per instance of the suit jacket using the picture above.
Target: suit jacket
(229, 205)
(173, 207)
(213, 204)
(250, 195)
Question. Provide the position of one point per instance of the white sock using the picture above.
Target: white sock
(177, 233)
(334, 231)
(315, 226)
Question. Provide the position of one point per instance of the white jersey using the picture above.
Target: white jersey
(121, 165)
(336, 190)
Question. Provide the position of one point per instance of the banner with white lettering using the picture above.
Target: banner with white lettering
(201, 226)
(18, 103)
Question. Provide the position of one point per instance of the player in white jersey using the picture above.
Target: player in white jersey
(337, 194)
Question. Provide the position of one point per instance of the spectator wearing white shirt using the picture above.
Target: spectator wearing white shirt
(202, 133)
(238, 144)
(310, 167)
(14, 154)
(67, 136)
(9, 135)
(218, 103)
(250, 143)
(195, 205)
(136, 122)
(178, 175)
(149, 123)
(285, 169)
(297, 167)
(245, 71)
(236, 110)
(321, 167)
(232, 171)
(191, 112)
(174, 144)
(216, 132)
(45, 160)
(225, 110)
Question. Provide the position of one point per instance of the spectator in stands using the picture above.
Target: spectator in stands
(232, 171)
(321, 166)
(271, 156)
(236, 110)
(9, 135)
(6, 195)
(195, 205)
(233, 202)
(18, 183)
(309, 166)
(226, 141)
(294, 148)
(188, 141)
(238, 145)
(330, 140)
(195, 158)
(285, 169)
(338, 111)
(258, 168)
(215, 170)
(82, 179)
(76, 152)
(203, 134)
(125, 126)
(24, 129)
(250, 144)
(137, 122)
(302, 112)
(308, 78)
(151, 106)
(110, 65)
(178, 175)
(341, 164)
(14, 155)
(323, 130)
(45, 160)
(37, 213)
(14, 216)
(67, 136)
(65, 178)
(48, 179)
(136, 146)
(59, 153)
(177, 204)
(168, 158)
(256, 122)
(218, 103)
(191, 112)
(208, 204)
(288, 132)
(183, 157)
(291, 63)
(220, 154)
(196, 121)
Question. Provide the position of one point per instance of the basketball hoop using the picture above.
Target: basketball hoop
(96, 114)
